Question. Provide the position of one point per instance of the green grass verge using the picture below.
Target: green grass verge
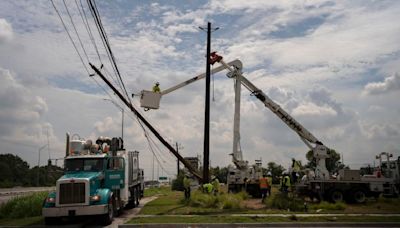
(23, 206)
(256, 219)
(37, 220)
(152, 191)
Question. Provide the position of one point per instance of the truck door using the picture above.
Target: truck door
(115, 175)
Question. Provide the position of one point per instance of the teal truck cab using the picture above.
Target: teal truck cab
(100, 179)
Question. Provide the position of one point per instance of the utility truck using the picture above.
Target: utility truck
(100, 179)
(322, 184)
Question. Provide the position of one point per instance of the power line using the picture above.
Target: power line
(76, 31)
(96, 16)
(69, 35)
(87, 26)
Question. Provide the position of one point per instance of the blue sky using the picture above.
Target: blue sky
(333, 65)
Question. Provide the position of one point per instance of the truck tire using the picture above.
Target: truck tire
(50, 220)
(109, 216)
(359, 196)
(335, 195)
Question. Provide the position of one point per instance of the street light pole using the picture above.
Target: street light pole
(40, 149)
(122, 111)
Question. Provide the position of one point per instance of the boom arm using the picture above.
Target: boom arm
(320, 151)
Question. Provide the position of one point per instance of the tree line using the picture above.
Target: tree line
(16, 172)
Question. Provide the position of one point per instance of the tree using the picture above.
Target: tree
(276, 171)
(333, 163)
(220, 173)
(13, 170)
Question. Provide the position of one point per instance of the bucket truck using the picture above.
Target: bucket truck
(348, 185)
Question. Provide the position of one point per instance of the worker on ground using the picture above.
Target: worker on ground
(295, 170)
(263, 187)
(215, 184)
(186, 186)
(285, 183)
(156, 88)
(269, 178)
(207, 188)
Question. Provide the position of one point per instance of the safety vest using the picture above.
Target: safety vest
(263, 183)
(286, 181)
(215, 184)
(208, 187)
(156, 89)
(269, 181)
(296, 166)
(186, 182)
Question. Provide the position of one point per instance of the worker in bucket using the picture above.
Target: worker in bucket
(263, 187)
(186, 186)
(156, 88)
(269, 178)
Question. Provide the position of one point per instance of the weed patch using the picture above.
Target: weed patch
(23, 206)
(221, 201)
(329, 206)
(284, 202)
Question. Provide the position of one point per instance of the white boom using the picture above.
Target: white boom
(320, 151)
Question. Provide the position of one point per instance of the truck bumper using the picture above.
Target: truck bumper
(74, 211)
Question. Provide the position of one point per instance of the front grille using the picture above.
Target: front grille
(71, 193)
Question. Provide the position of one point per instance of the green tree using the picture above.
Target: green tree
(220, 173)
(276, 171)
(333, 163)
(13, 171)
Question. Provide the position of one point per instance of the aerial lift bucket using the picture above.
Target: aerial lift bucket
(150, 99)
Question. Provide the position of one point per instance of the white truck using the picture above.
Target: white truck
(322, 185)
(100, 179)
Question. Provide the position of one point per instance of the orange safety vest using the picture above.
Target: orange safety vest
(264, 182)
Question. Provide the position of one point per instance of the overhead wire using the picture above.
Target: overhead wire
(70, 37)
(102, 32)
(119, 81)
(76, 31)
(87, 26)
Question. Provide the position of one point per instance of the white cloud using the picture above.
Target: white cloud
(310, 109)
(6, 32)
(390, 84)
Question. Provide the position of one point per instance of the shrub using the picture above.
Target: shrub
(222, 201)
(284, 202)
(23, 206)
(329, 206)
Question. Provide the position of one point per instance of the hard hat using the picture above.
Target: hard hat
(269, 174)
(157, 83)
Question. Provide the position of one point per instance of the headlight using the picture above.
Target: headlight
(95, 198)
(50, 200)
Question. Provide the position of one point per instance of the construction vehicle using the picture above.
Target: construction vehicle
(100, 179)
(242, 175)
(322, 185)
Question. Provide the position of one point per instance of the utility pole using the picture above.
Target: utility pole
(38, 173)
(206, 152)
(177, 150)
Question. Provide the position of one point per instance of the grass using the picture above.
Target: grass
(29, 221)
(152, 191)
(339, 206)
(23, 206)
(258, 219)
(221, 201)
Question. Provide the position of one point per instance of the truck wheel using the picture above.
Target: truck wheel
(109, 217)
(359, 196)
(336, 196)
(50, 221)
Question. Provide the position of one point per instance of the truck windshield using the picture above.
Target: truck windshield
(86, 164)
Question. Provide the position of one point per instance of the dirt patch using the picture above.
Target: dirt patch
(253, 204)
